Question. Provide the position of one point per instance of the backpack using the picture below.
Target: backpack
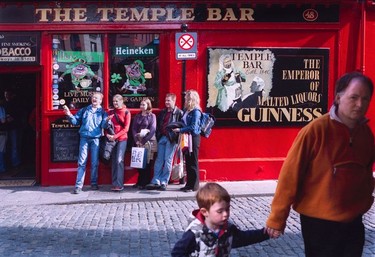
(207, 122)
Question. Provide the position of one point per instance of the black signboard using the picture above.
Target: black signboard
(267, 86)
(19, 48)
(64, 141)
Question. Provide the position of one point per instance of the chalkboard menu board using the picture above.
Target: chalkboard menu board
(64, 141)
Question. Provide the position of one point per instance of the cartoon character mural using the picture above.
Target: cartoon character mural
(81, 74)
(135, 77)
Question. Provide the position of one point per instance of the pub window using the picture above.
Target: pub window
(77, 69)
(134, 67)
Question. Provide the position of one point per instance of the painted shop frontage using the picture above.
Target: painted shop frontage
(264, 69)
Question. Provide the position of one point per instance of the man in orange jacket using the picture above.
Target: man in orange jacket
(327, 175)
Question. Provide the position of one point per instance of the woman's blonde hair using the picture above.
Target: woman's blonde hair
(192, 100)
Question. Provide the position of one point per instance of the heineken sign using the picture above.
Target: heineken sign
(135, 51)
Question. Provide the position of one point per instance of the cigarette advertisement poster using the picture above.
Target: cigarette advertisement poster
(267, 86)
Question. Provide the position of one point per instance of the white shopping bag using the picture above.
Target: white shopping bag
(138, 157)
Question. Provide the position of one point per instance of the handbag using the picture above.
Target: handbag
(138, 158)
(106, 146)
(178, 165)
(184, 141)
(154, 145)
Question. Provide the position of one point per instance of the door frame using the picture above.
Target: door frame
(38, 105)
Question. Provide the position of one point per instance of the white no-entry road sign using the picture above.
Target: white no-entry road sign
(186, 45)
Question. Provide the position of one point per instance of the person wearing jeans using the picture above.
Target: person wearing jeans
(92, 120)
(120, 117)
(166, 144)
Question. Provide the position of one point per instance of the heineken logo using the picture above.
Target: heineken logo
(134, 51)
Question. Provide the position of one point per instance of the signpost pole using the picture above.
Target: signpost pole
(183, 82)
(184, 28)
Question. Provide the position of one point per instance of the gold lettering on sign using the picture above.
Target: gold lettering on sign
(216, 14)
(62, 14)
(43, 14)
(104, 13)
(157, 13)
(121, 14)
(229, 15)
(135, 15)
(79, 14)
(187, 14)
(170, 15)
(246, 14)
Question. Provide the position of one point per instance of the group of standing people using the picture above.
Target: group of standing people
(189, 119)
(147, 130)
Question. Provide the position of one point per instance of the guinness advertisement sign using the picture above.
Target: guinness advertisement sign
(267, 86)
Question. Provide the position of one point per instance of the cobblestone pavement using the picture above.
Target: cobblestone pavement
(147, 229)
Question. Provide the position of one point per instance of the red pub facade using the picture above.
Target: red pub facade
(285, 58)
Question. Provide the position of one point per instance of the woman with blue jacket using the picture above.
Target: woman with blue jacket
(192, 121)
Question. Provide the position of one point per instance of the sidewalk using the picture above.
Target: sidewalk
(63, 194)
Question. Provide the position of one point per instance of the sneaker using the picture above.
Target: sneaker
(162, 188)
(94, 187)
(117, 189)
(152, 186)
(77, 190)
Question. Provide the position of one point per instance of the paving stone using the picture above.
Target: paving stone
(137, 229)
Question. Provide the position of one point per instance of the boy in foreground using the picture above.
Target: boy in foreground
(210, 233)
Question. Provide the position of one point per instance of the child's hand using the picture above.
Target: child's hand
(273, 233)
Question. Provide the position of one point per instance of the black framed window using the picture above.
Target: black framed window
(134, 67)
(77, 69)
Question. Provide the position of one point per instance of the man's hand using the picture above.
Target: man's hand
(66, 110)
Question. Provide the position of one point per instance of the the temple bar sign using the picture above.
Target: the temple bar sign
(122, 12)
(19, 48)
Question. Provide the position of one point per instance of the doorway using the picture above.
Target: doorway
(18, 94)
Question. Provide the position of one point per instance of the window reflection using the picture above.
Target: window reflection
(134, 67)
(77, 69)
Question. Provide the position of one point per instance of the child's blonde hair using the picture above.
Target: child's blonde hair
(210, 194)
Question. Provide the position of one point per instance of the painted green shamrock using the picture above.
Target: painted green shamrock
(115, 78)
